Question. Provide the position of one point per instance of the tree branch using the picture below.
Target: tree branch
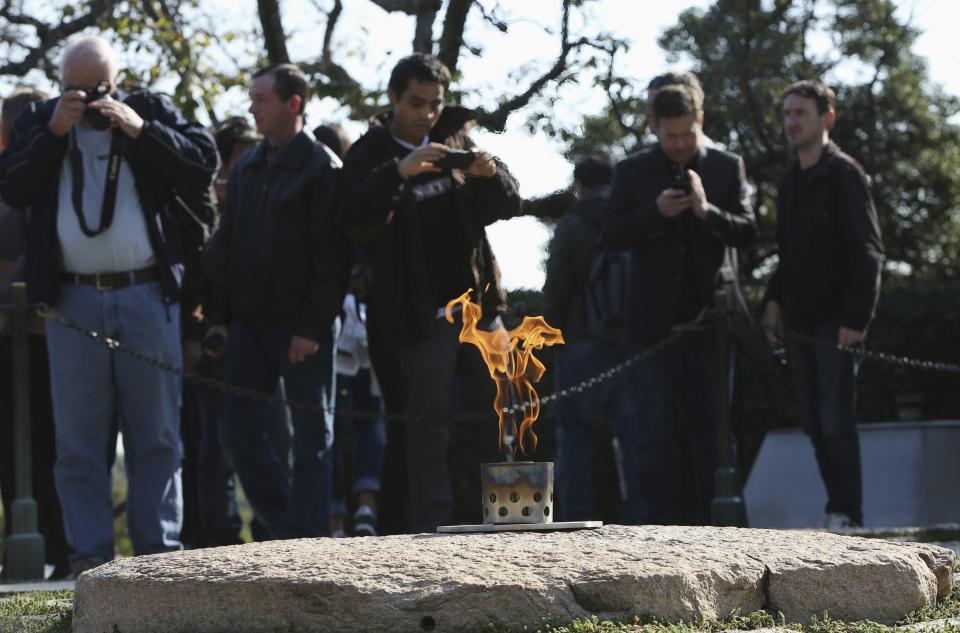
(50, 37)
(274, 37)
(496, 120)
(451, 40)
(423, 34)
(332, 18)
(410, 7)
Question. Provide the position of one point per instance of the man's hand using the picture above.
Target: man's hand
(215, 341)
(773, 323)
(421, 160)
(300, 348)
(699, 196)
(673, 202)
(121, 115)
(483, 165)
(849, 338)
(69, 112)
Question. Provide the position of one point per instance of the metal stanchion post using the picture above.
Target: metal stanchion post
(25, 555)
(727, 507)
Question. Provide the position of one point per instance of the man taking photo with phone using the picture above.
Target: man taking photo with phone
(421, 214)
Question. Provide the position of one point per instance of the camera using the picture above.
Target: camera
(456, 159)
(96, 119)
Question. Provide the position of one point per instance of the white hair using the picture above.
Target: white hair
(92, 49)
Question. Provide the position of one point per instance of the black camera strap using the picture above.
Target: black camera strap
(109, 188)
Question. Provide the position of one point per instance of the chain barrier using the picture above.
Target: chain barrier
(49, 313)
(857, 351)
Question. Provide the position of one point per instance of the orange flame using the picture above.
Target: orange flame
(510, 361)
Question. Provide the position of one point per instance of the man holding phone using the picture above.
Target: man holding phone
(681, 208)
(418, 195)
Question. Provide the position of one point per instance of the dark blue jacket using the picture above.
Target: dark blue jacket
(278, 258)
(661, 248)
(171, 155)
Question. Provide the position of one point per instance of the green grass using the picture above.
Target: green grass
(37, 612)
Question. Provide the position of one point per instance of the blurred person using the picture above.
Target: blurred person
(359, 392)
(43, 452)
(422, 226)
(674, 78)
(585, 353)
(681, 208)
(826, 287)
(105, 249)
(279, 273)
(211, 516)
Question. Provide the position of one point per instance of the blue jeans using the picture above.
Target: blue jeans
(291, 506)
(87, 382)
(674, 452)
(575, 416)
(369, 440)
(825, 386)
(216, 498)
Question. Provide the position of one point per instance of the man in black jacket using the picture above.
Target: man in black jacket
(279, 271)
(103, 248)
(423, 230)
(681, 208)
(825, 289)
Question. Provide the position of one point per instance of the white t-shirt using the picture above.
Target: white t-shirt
(125, 245)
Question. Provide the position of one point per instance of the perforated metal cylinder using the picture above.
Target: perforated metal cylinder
(517, 492)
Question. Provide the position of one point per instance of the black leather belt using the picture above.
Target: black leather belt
(113, 281)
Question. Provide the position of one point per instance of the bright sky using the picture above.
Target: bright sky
(369, 41)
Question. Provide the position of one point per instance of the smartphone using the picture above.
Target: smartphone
(681, 181)
(456, 159)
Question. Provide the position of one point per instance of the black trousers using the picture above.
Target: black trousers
(42, 447)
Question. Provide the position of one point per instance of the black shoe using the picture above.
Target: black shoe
(82, 565)
(61, 571)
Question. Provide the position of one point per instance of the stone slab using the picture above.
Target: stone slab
(441, 583)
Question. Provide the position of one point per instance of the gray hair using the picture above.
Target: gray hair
(92, 49)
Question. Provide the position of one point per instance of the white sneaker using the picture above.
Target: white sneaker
(838, 521)
(365, 521)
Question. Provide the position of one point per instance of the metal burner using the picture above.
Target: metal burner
(517, 492)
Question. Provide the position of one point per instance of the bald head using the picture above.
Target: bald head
(88, 61)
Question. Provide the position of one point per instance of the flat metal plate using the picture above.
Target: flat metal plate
(518, 527)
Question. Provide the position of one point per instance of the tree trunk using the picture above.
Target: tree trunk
(423, 36)
(274, 38)
(451, 40)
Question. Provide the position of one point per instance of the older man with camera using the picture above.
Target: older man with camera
(104, 249)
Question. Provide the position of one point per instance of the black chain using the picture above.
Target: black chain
(47, 312)
(861, 352)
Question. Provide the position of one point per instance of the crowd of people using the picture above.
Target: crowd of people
(325, 282)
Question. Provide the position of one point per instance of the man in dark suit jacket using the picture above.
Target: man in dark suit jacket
(825, 288)
(682, 209)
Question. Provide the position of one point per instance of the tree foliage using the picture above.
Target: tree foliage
(185, 39)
